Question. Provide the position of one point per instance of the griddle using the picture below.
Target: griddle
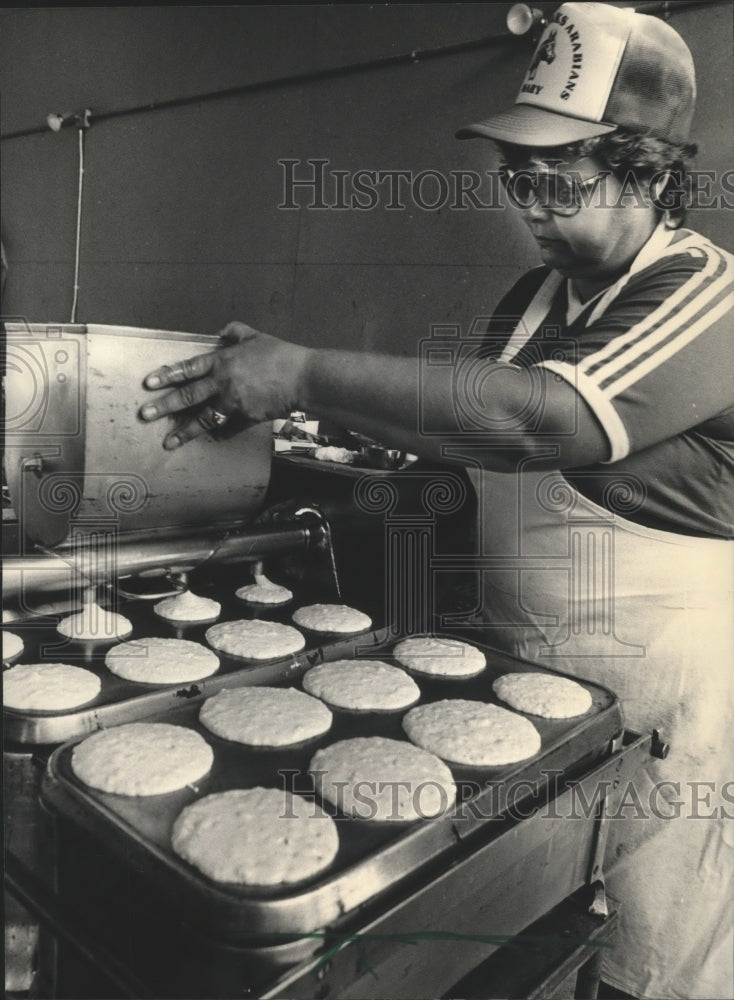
(121, 700)
(114, 857)
(373, 857)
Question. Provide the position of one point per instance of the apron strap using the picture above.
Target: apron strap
(534, 315)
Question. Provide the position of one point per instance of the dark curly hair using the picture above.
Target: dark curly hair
(635, 158)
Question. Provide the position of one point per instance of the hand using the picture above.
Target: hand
(252, 377)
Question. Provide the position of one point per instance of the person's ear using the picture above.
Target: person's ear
(667, 195)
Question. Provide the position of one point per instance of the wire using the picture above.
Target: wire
(416, 56)
(78, 226)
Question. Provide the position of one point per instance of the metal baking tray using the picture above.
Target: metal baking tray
(373, 857)
(121, 700)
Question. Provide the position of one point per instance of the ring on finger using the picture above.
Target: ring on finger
(175, 372)
(211, 418)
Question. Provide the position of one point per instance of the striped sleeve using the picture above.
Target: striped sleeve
(660, 359)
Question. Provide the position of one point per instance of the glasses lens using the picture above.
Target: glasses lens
(519, 186)
(556, 192)
(561, 194)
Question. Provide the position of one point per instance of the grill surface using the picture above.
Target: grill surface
(125, 701)
(372, 857)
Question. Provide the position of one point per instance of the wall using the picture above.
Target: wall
(181, 227)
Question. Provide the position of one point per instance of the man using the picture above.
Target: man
(597, 423)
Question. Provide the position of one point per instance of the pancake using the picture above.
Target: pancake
(12, 646)
(256, 837)
(265, 716)
(440, 657)
(188, 607)
(362, 686)
(375, 778)
(255, 640)
(542, 694)
(264, 592)
(48, 687)
(162, 661)
(94, 624)
(472, 732)
(142, 758)
(332, 619)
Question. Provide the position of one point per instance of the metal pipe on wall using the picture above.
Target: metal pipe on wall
(663, 7)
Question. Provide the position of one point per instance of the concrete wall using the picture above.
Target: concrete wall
(181, 225)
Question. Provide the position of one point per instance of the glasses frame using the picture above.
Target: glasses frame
(548, 198)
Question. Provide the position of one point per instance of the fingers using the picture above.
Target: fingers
(207, 391)
(206, 421)
(210, 418)
(181, 371)
(188, 395)
(187, 430)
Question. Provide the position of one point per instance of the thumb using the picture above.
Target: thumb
(235, 333)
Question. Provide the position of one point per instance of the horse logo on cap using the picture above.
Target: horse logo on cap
(546, 53)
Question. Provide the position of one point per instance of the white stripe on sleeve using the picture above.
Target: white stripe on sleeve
(601, 406)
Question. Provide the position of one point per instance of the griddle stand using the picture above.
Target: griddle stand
(519, 877)
(483, 927)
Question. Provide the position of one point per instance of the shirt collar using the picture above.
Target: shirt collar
(659, 240)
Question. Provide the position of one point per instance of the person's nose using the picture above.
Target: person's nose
(537, 212)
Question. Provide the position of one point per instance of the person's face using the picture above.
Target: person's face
(596, 241)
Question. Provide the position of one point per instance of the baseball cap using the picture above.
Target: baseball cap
(597, 67)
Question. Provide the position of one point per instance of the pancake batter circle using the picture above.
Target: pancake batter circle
(94, 624)
(265, 716)
(255, 640)
(48, 687)
(332, 618)
(256, 837)
(362, 686)
(380, 779)
(440, 657)
(12, 646)
(264, 593)
(188, 607)
(162, 661)
(472, 732)
(142, 758)
(542, 694)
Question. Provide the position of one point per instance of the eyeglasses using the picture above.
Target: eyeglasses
(559, 193)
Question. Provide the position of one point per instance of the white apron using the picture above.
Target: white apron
(649, 614)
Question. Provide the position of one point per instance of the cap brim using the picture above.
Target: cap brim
(527, 125)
